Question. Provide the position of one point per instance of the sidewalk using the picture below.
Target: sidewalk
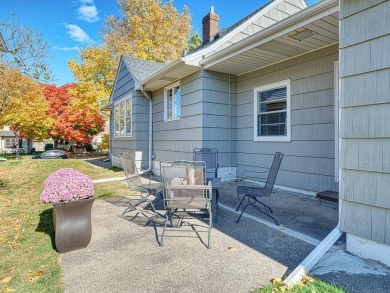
(124, 255)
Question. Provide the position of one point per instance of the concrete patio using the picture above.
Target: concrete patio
(124, 254)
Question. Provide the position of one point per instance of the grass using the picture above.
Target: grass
(307, 285)
(28, 260)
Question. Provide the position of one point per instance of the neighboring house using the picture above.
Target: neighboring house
(8, 142)
(271, 83)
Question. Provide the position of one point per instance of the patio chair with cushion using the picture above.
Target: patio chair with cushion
(186, 195)
(147, 188)
(252, 190)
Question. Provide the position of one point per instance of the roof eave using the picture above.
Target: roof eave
(272, 32)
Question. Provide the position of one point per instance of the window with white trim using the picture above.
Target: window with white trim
(10, 142)
(172, 101)
(272, 112)
(123, 117)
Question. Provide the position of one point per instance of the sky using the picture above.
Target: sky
(70, 25)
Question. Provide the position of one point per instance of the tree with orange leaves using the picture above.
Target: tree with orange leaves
(71, 122)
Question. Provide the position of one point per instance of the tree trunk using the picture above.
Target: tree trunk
(16, 133)
(55, 144)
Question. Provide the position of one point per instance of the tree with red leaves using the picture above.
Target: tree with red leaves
(71, 123)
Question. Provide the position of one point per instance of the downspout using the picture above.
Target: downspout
(308, 263)
(150, 131)
(230, 126)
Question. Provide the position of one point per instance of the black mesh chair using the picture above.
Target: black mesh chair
(210, 157)
(253, 191)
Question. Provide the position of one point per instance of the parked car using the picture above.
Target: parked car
(52, 154)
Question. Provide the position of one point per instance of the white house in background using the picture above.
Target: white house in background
(310, 81)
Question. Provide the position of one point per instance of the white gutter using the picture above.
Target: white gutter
(150, 131)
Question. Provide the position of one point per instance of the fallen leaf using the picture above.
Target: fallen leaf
(277, 281)
(34, 276)
(6, 281)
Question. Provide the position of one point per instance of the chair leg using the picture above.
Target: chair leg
(210, 227)
(243, 210)
(168, 218)
(270, 210)
(241, 201)
(268, 215)
(257, 208)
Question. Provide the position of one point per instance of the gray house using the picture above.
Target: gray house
(271, 83)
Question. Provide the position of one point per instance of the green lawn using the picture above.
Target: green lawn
(28, 261)
(307, 285)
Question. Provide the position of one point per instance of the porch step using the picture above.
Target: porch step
(328, 195)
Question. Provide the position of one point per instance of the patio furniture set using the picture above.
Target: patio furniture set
(189, 189)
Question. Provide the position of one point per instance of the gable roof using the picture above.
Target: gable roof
(141, 69)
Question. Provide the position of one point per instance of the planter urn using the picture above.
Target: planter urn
(72, 224)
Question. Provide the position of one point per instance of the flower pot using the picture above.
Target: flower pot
(72, 224)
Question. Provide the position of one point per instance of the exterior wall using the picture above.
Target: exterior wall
(125, 86)
(176, 139)
(365, 131)
(204, 120)
(218, 119)
(309, 159)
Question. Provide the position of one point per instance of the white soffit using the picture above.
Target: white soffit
(317, 26)
(168, 75)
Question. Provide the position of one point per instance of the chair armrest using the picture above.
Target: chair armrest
(252, 172)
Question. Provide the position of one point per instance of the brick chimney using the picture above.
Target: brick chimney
(210, 25)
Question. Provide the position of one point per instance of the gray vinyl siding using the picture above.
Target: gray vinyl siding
(125, 86)
(309, 159)
(218, 128)
(204, 120)
(175, 140)
(365, 126)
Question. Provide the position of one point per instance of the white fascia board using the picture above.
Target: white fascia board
(195, 58)
(293, 22)
(116, 78)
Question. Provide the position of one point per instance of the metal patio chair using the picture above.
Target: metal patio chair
(138, 184)
(253, 191)
(210, 157)
(186, 195)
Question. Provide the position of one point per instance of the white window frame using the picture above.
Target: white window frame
(117, 105)
(11, 142)
(282, 138)
(166, 89)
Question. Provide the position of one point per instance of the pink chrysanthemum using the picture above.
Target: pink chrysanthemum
(66, 184)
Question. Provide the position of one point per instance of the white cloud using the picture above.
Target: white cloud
(88, 13)
(86, 1)
(78, 34)
(75, 48)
